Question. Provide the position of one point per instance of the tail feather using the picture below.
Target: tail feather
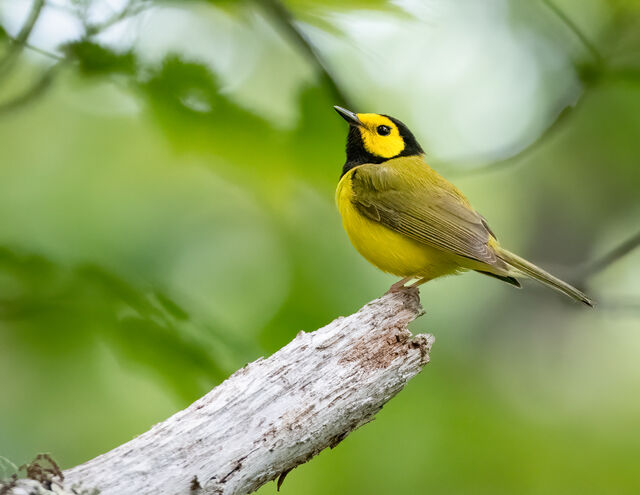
(531, 270)
(505, 278)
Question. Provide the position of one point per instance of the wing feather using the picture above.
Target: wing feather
(423, 208)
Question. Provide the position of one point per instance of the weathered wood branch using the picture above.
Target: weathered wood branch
(272, 415)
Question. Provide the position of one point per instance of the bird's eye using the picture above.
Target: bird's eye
(384, 130)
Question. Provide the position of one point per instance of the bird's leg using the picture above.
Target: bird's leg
(420, 281)
(399, 285)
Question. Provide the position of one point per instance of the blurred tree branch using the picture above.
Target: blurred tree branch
(285, 20)
(17, 45)
(39, 50)
(34, 91)
(589, 74)
(584, 39)
(41, 84)
(274, 8)
(608, 259)
(621, 305)
(134, 7)
(560, 120)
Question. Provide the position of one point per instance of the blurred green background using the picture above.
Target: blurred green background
(167, 172)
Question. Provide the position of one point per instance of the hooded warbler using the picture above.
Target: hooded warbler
(407, 220)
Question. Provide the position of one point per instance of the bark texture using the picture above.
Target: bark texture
(272, 415)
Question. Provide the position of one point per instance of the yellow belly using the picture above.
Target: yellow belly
(389, 251)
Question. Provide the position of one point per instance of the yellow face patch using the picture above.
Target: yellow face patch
(380, 135)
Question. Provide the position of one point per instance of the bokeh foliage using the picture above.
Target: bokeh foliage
(163, 221)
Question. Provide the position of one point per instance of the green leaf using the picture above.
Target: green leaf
(95, 59)
(56, 310)
(185, 99)
(342, 5)
(176, 311)
(185, 86)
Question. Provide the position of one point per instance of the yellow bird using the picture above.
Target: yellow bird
(407, 220)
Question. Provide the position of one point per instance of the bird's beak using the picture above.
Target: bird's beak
(349, 116)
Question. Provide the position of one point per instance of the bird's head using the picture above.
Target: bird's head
(375, 138)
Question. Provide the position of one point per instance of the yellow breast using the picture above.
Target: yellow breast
(388, 250)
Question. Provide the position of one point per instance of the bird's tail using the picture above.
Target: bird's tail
(531, 270)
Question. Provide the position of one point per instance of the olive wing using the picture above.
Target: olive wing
(422, 210)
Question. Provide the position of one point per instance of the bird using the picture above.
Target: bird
(409, 221)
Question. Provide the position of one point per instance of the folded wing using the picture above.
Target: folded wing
(424, 210)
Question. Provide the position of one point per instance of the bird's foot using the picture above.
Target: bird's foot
(398, 286)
